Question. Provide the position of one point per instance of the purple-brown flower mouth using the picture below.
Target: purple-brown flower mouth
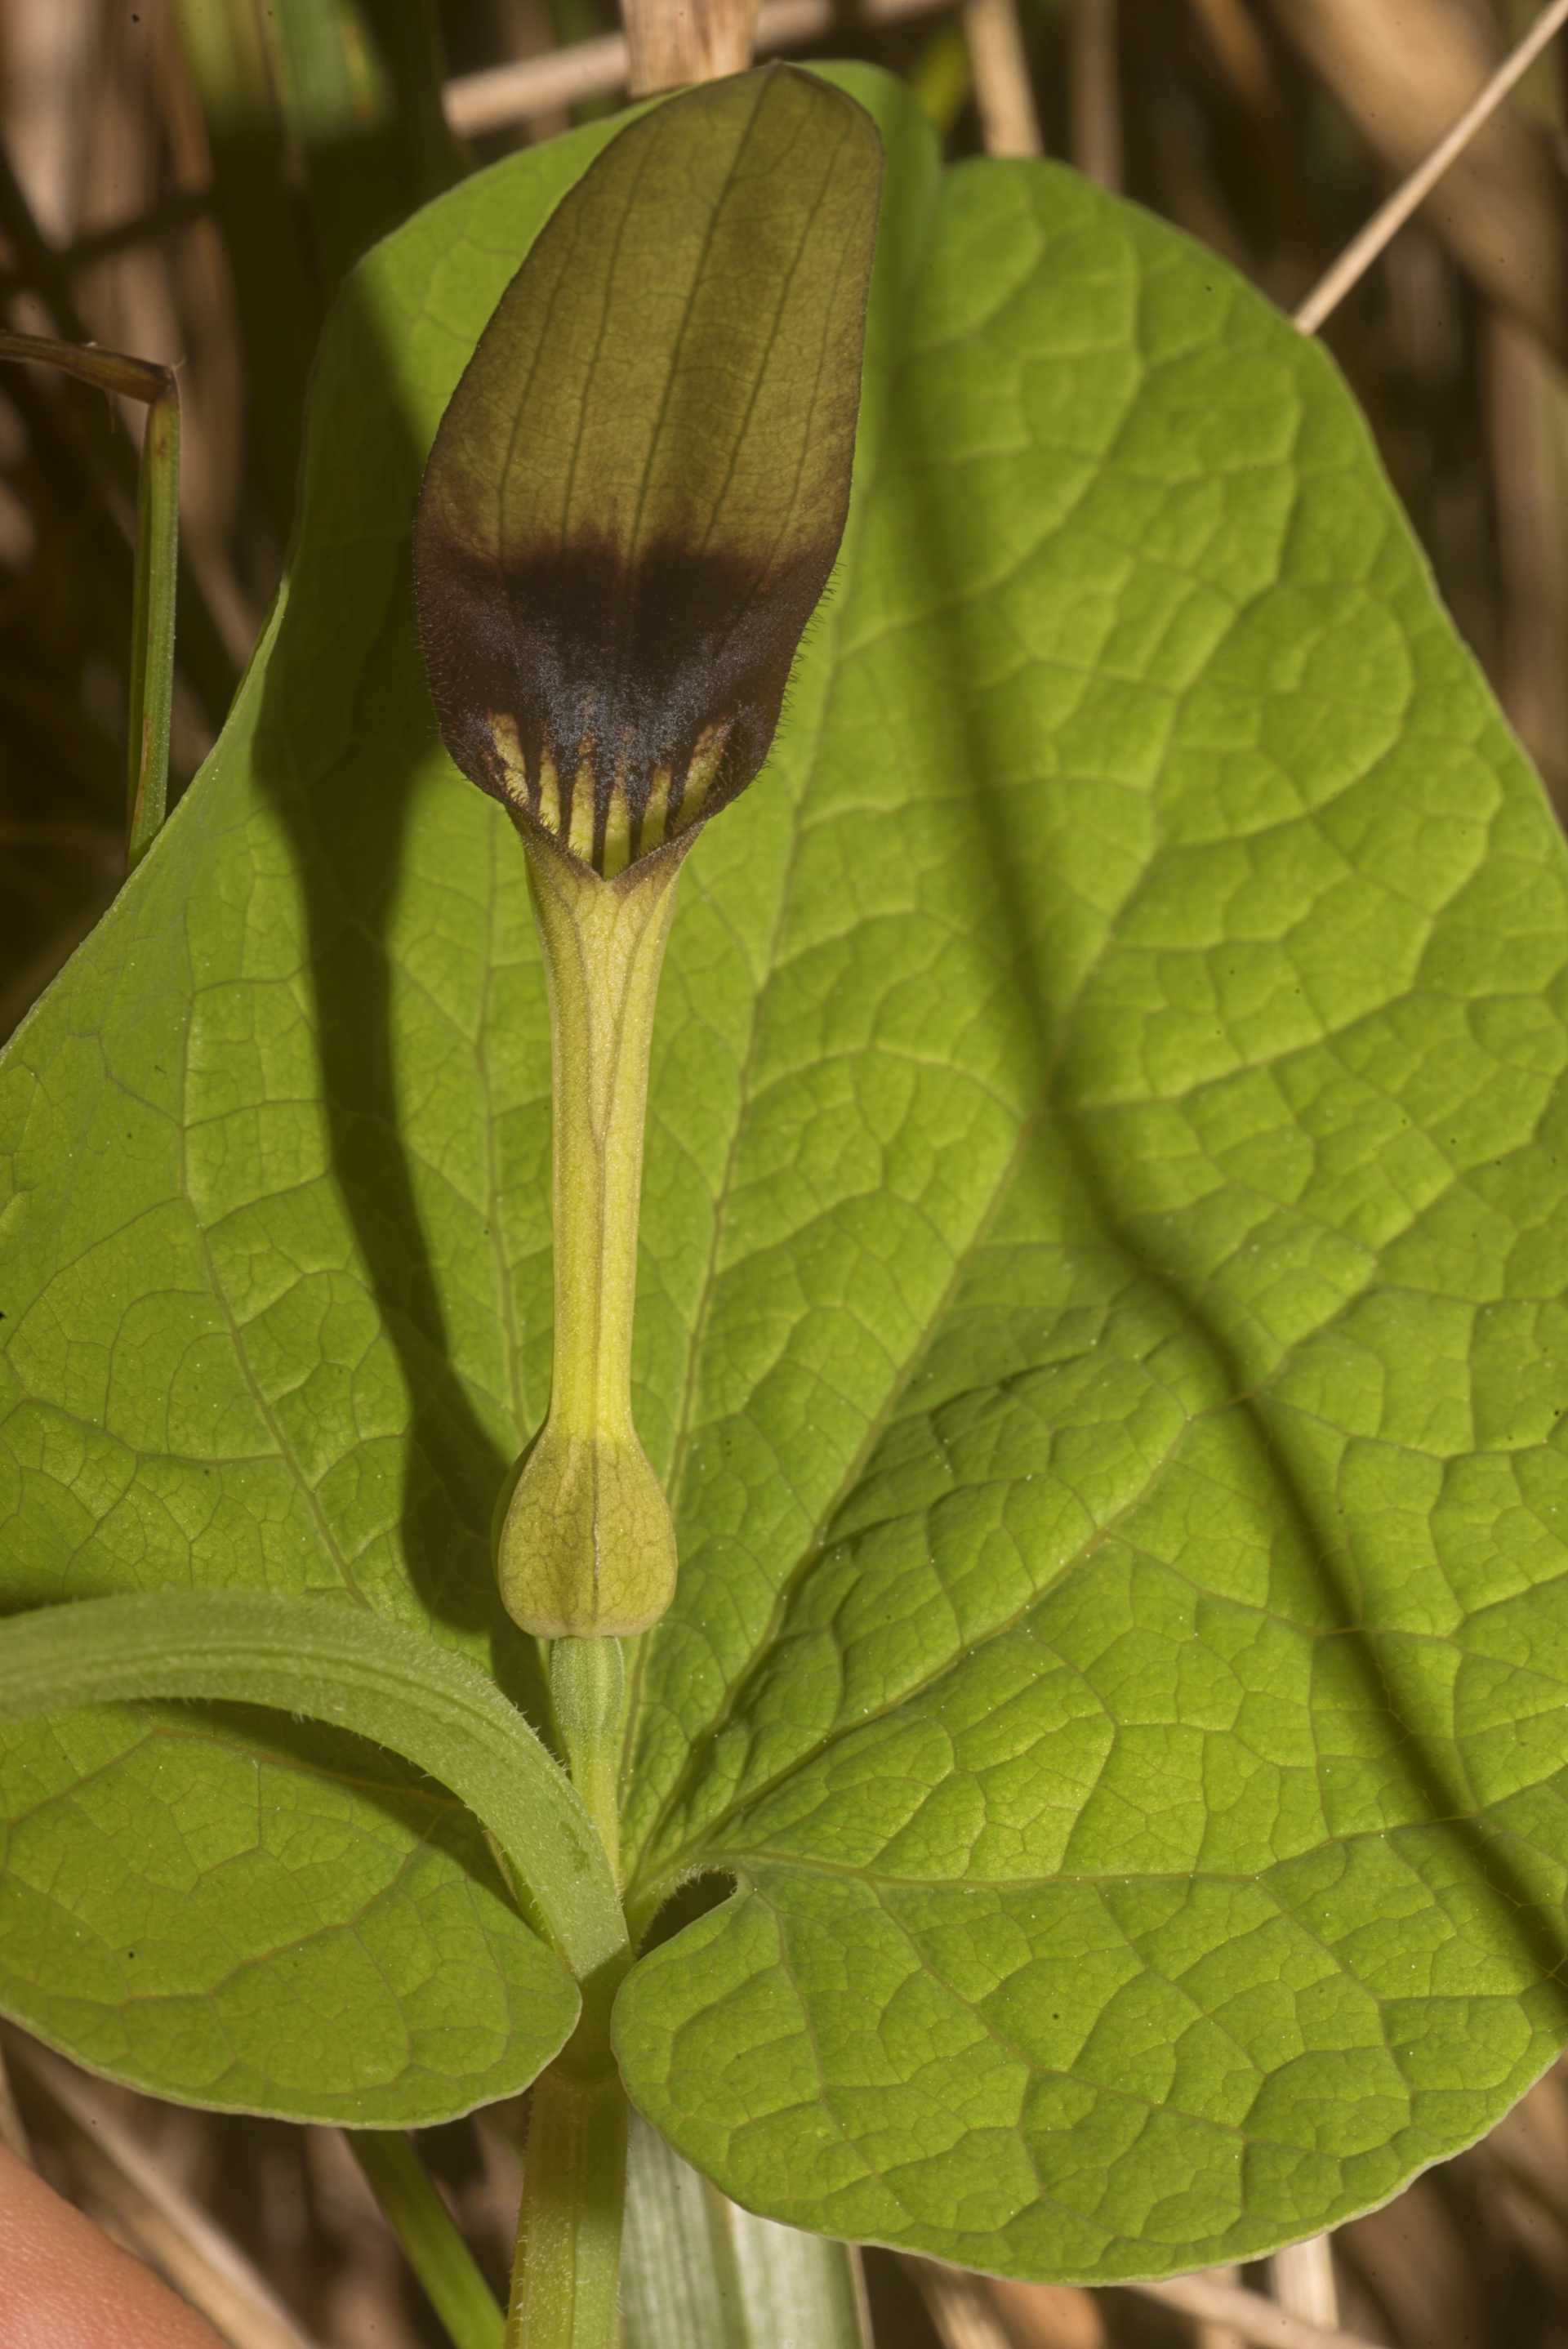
(612, 712)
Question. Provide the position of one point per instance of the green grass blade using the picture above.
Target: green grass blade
(431, 2242)
(360, 86)
(258, 215)
(152, 696)
(150, 672)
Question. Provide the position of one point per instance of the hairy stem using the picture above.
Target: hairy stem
(565, 2285)
(588, 1691)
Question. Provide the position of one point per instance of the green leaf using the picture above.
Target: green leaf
(1100, 1313)
(338, 1665)
(1120, 1650)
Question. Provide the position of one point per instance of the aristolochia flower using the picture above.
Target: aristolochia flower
(631, 509)
(638, 490)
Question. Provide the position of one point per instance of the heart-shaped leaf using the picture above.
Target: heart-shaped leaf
(1100, 1315)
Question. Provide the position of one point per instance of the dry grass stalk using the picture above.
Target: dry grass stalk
(1303, 2279)
(155, 2215)
(1003, 98)
(1403, 76)
(1247, 2314)
(499, 97)
(1049, 2315)
(1527, 478)
(962, 2311)
(1236, 41)
(672, 42)
(1094, 90)
(13, 2132)
(1207, 2335)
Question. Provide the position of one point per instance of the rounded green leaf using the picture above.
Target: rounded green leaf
(1120, 1651)
(374, 2025)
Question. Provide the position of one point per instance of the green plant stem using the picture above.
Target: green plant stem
(566, 2276)
(206, 661)
(588, 1692)
(431, 2242)
(358, 83)
(565, 2288)
(942, 78)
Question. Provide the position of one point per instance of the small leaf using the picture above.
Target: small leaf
(637, 492)
(341, 1666)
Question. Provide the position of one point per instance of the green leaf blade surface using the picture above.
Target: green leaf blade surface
(390, 1999)
(1102, 1473)
(214, 1912)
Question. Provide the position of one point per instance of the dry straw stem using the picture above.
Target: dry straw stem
(1049, 2315)
(12, 2134)
(972, 2312)
(1093, 91)
(1524, 416)
(1207, 2336)
(975, 2312)
(152, 2213)
(670, 43)
(960, 2307)
(1402, 75)
(477, 103)
(1238, 44)
(1248, 2314)
(1008, 122)
(1303, 2282)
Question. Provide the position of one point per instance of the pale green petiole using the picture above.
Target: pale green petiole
(585, 1547)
